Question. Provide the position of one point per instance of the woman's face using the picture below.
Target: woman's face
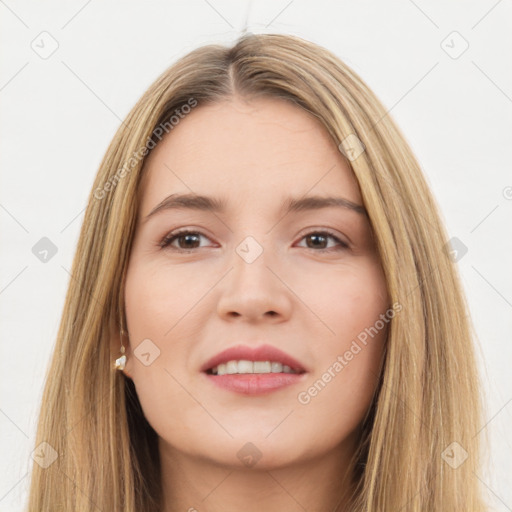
(253, 274)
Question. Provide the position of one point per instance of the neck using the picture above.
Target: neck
(195, 485)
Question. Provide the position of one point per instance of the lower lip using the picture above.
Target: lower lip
(255, 384)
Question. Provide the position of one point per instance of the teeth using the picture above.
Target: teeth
(245, 366)
(232, 367)
(262, 367)
(276, 367)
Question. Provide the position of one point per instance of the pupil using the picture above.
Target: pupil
(187, 237)
(316, 237)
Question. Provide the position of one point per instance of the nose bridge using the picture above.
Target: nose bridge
(251, 249)
(251, 260)
(252, 288)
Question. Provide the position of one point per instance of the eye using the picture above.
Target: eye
(190, 240)
(319, 237)
(186, 236)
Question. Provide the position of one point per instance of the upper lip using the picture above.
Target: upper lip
(259, 353)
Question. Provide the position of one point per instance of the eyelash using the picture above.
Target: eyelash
(165, 243)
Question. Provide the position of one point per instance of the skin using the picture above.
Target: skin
(309, 303)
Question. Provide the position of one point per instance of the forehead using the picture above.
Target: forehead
(252, 153)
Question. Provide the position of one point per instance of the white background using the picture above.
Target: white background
(60, 113)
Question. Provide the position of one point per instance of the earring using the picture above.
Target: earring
(121, 361)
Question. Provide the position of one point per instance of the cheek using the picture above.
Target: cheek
(349, 299)
(156, 303)
(353, 302)
(158, 296)
(340, 394)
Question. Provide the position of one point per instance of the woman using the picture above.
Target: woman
(264, 262)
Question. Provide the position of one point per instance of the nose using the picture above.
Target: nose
(255, 291)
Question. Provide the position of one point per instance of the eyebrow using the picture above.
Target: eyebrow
(217, 205)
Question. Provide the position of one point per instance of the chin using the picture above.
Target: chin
(253, 452)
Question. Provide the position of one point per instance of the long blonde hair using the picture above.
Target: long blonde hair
(429, 393)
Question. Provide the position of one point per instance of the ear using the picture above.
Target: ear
(128, 365)
(115, 350)
(126, 371)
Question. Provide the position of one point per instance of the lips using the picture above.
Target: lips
(260, 353)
